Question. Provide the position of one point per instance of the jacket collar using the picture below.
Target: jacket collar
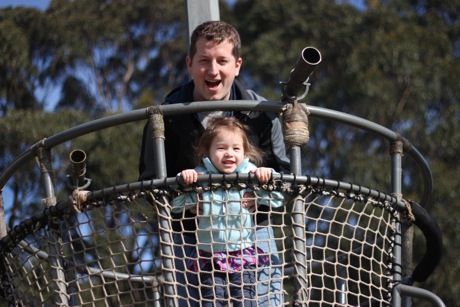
(184, 93)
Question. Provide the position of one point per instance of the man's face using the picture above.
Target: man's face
(213, 69)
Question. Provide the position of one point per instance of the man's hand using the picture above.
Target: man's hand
(198, 207)
(249, 201)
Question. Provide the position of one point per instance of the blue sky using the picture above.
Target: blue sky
(42, 4)
(39, 4)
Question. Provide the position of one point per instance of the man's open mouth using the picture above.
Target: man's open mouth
(213, 83)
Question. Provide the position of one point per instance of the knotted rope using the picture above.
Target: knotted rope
(295, 125)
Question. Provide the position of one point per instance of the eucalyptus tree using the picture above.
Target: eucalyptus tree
(392, 62)
(99, 57)
(119, 49)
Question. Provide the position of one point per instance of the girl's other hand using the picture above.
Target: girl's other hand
(263, 174)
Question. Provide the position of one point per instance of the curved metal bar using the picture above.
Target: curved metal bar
(235, 105)
(434, 246)
(116, 192)
(44, 256)
(106, 193)
(420, 293)
(389, 135)
(69, 134)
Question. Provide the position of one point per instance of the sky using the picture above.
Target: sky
(42, 4)
(39, 4)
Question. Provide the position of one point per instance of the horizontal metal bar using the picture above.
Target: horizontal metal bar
(234, 105)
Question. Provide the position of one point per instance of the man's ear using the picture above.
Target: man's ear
(238, 64)
(188, 61)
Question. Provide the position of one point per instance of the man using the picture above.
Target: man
(214, 61)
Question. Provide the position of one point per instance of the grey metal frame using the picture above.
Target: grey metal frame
(243, 105)
(399, 146)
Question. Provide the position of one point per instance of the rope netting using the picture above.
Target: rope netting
(322, 247)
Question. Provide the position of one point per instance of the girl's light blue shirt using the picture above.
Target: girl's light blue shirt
(225, 225)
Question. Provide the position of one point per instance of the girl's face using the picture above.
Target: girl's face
(227, 151)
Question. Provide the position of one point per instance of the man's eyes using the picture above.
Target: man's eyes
(220, 62)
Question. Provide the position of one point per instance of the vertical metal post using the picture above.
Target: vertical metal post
(396, 152)
(296, 134)
(397, 275)
(341, 286)
(3, 231)
(298, 228)
(159, 159)
(407, 231)
(54, 234)
(199, 11)
(8, 288)
(157, 127)
(295, 160)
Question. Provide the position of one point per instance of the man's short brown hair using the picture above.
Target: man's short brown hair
(217, 31)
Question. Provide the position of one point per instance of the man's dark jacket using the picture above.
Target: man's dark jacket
(182, 132)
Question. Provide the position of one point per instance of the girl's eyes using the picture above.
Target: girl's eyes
(225, 148)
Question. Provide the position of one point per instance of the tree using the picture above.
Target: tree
(120, 48)
(393, 63)
(104, 56)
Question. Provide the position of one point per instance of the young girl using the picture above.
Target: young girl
(225, 235)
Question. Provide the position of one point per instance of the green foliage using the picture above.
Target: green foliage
(394, 62)
(113, 155)
(15, 68)
(19, 130)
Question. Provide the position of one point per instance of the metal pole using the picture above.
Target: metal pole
(341, 285)
(158, 139)
(421, 293)
(159, 159)
(296, 164)
(54, 234)
(3, 231)
(396, 152)
(298, 228)
(199, 11)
